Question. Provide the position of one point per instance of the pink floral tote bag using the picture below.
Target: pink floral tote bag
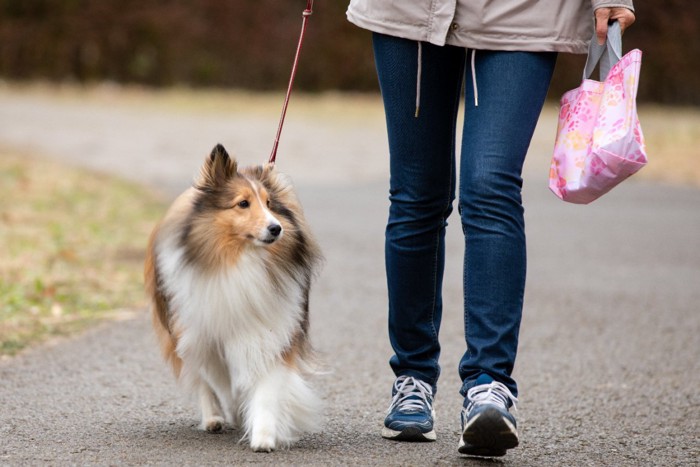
(599, 139)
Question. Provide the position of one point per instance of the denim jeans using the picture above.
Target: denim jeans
(511, 88)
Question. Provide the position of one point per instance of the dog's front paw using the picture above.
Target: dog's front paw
(213, 424)
(262, 442)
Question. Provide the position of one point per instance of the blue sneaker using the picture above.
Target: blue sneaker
(411, 411)
(488, 428)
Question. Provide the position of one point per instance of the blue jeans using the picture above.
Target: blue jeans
(511, 90)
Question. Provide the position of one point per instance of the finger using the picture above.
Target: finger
(602, 16)
(623, 16)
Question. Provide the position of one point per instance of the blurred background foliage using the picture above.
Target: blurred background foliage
(250, 44)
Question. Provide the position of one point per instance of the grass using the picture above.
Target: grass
(672, 136)
(73, 248)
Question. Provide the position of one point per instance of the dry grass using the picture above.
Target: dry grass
(673, 144)
(326, 105)
(73, 247)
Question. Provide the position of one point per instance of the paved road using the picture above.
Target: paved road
(608, 364)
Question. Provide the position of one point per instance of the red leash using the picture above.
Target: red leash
(307, 12)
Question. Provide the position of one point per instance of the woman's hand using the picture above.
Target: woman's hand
(603, 16)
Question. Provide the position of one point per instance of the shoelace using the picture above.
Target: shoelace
(411, 394)
(493, 393)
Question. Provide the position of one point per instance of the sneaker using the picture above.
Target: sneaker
(488, 429)
(411, 411)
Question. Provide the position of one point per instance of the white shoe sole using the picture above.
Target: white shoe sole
(409, 434)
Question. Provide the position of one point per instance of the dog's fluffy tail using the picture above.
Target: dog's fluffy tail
(280, 409)
(159, 309)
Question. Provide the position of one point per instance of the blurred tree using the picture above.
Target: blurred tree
(237, 43)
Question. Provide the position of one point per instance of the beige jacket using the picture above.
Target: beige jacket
(527, 25)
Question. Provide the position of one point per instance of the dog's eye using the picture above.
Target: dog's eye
(244, 204)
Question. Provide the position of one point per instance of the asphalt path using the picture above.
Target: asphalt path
(608, 363)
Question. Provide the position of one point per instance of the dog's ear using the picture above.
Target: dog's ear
(268, 168)
(218, 168)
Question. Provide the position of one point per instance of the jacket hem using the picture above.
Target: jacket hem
(519, 44)
(414, 32)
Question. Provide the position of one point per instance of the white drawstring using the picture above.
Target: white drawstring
(476, 90)
(418, 77)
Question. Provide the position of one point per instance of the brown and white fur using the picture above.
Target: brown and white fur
(228, 271)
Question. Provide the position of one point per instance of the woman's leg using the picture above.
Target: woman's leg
(422, 189)
(511, 89)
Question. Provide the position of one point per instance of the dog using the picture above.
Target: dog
(228, 272)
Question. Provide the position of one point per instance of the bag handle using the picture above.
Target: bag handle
(607, 54)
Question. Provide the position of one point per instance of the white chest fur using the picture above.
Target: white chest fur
(234, 313)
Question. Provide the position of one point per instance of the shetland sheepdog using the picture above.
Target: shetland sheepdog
(228, 272)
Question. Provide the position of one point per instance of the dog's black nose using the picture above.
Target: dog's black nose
(274, 229)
